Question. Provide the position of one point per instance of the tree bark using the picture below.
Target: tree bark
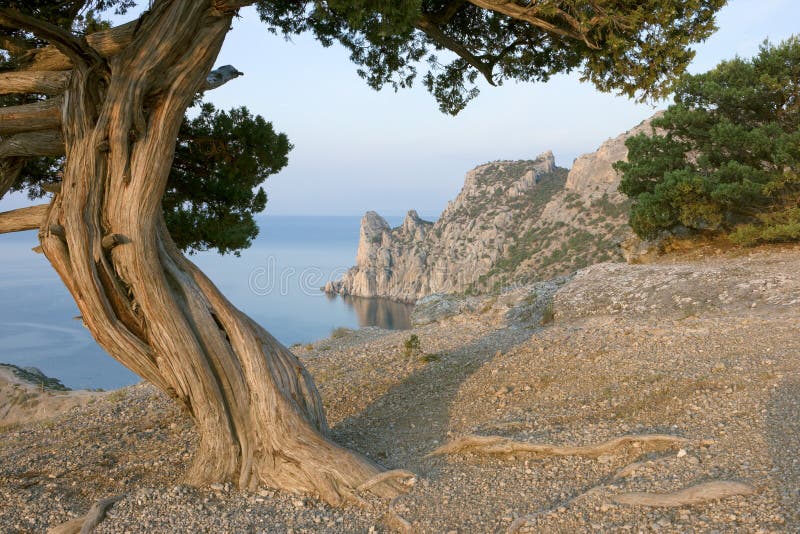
(23, 219)
(41, 82)
(44, 115)
(107, 44)
(258, 414)
(30, 144)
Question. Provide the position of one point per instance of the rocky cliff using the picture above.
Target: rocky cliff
(512, 222)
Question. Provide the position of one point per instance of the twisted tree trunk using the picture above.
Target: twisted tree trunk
(259, 416)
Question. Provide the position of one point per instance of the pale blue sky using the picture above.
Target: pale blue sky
(357, 149)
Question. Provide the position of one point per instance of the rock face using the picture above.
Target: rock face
(513, 222)
(26, 395)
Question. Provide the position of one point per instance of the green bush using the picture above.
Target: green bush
(773, 227)
(340, 332)
(412, 346)
(725, 156)
(548, 315)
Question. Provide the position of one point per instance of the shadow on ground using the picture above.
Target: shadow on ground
(784, 443)
(406, 423)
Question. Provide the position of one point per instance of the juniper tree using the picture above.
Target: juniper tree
(726, 155)
(113, 102)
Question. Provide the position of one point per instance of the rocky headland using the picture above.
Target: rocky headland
(513, 222)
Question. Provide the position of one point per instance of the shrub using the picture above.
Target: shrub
(341, 332)
(548, 314)
(412, 346)
(724, 158)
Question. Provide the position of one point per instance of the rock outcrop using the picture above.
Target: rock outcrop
(27, 394)
(513, 222)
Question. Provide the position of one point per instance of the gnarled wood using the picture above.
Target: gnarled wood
(53, 187)
(15, 45)
(29, 144)
(70, 45)
(106, 43)
(428, 25)
(708, 491)
(37, 82)
(259, 416)
(87, 523)
(23, 219)
(530, 13)
(10, 169)
(45, 115)
(112, 240)
(499, 445)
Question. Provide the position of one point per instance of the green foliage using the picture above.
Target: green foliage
(78, 16)
(726, 153)
(772, 227)
(610, 209)
(341, 332)
(535, 200)
(430, 357)
(211, 196)
(548, 314)
(629, 47)
(35, 377)
(220, 158)
(412, 346)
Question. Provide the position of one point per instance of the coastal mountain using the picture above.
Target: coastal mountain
(512, 222)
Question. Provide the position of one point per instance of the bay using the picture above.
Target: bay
(276, 281)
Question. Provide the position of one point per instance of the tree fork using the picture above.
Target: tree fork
(258, 414)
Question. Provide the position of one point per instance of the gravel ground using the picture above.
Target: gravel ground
(703, 346)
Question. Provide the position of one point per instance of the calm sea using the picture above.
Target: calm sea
(276, 282)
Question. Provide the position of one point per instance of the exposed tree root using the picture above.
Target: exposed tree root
(629, 470)
(387, 475)
(87, 523)
(700, 493)
(499, 445)
(624, 472)
(525, 519)
(395, 521)
(692, 495)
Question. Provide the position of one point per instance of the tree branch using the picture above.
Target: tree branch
(44, 115)
(427, 25)
(32, 144)
(227, 6)
(38, 82)
(9, 171)
(76, 49)
(221, 76)
(448, 11)
(106, 43)
(14, 45)
(23, 219)
(54, 81)
(528, 14)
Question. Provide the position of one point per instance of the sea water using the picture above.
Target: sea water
(276, 281)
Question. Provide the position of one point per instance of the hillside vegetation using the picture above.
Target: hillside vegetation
(725, 157)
